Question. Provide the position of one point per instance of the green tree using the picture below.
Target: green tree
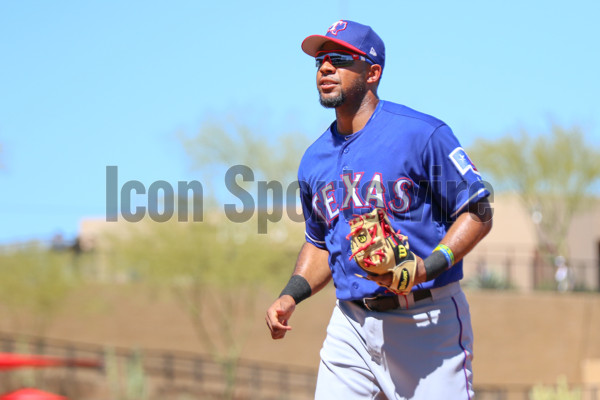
(36, 280)
(553, 174)
(229, 141)
(559, 392)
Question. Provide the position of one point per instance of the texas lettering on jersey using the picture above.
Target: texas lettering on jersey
(354, 191)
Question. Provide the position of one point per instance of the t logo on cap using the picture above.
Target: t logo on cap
(337, 26)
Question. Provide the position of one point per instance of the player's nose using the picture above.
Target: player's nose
(327, 67)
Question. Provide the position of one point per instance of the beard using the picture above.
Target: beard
(332, 102)
(357, 90)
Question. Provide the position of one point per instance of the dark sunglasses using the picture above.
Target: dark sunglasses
(339, 58)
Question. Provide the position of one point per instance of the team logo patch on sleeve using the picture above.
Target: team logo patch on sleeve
(462, 162)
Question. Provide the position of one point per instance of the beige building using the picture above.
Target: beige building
(508, 253)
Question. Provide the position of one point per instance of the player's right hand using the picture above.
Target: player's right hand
(278, 316)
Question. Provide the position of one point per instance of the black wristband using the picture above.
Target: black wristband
(298, 288)
(435, 264)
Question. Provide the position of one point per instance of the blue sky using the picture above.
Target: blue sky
(86, 84)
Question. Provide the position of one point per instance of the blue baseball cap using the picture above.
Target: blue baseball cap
(353, 36)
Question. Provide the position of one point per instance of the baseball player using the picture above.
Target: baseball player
(392, 204)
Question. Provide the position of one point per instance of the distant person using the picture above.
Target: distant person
(562, 274)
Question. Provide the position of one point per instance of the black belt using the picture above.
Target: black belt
(386, 303)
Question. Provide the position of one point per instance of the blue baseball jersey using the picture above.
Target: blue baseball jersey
(405, 161)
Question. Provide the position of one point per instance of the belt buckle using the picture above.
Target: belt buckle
(364, 301)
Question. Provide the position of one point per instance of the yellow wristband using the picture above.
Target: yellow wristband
(445, 250)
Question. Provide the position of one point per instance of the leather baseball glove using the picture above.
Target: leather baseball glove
(379, 250)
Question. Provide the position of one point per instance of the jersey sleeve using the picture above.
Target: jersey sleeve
(314, 226)
(454, 180)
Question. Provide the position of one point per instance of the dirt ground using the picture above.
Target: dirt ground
(520, 338)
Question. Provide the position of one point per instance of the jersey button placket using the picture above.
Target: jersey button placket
(345, 151)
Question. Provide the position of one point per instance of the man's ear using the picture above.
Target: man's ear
(374, 74)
